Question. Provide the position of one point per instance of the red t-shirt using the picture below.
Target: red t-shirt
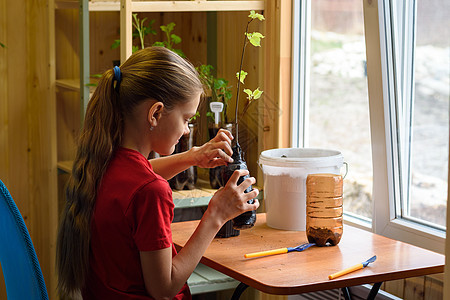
(133, 213)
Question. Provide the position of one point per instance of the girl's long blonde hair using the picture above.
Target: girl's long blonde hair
(151, 73)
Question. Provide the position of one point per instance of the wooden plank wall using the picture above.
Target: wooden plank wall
(3, 116)
(417, 288)
(27, 149)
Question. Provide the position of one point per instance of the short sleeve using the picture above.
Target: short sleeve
(150, 214)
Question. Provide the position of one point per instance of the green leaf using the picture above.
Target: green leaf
(134, 49)
(175, 38)
(2, 45)
(142, 22)
(168, 28)
(96, 75)
(149, 30)
(171, 26)
(255, 38)
(179, 52)
(194, 117)
(255, 15)
(136, 23)
(205, 70)
(115, 44)
(228, 94)
(220, 83)
(243, 75)
(158, 44)
(257, 94)
(249, 93)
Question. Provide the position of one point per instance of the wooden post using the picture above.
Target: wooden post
(27, 118)
(84, 57)
(126, 30)
(277, 87)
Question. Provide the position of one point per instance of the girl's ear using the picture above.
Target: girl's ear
(154, 113)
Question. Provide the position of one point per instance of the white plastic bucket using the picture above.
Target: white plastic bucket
(285, 171)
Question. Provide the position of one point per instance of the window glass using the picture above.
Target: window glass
(429, 131)
(338, 104)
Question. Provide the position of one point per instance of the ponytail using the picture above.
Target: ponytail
(151, 73)
(99, 137)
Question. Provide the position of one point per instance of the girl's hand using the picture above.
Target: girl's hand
(231, 201)
(216, 152)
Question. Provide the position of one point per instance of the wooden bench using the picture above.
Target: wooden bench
(203, 279)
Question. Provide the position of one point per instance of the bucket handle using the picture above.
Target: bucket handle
(346, 170)
(343, 177)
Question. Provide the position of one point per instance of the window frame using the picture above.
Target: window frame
(301, 35)
(385, 87)
(390, 184)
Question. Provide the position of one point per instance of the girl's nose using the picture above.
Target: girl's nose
(186, 129)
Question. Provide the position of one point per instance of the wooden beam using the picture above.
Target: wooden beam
(41, 115)
(172, 6)
(104, 6)
(84, 57)
(68, 84)
(4, 166)
(66, 4)
(277, 98)
(51, 143)
(126, 30)
(202, 5)
(27, 148)
(4, 141)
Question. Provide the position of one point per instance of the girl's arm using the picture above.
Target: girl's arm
(163, 275)
(214, 153)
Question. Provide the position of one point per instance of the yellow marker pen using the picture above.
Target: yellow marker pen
(353, 268)
(279, 251)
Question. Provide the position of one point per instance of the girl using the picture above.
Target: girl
(115, 241)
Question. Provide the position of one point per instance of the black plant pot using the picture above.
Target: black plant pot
(227, 230)
(247, 219)
(187, 179)
(214, 173)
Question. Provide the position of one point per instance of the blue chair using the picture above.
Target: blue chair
(21, 270)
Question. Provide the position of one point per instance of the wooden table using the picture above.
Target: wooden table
(307, 271)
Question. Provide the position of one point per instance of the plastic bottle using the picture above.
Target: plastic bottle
(247, 219)
(324, 211)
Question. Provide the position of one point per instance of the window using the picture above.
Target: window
(403, 124)
(337, 110)
(423, 63)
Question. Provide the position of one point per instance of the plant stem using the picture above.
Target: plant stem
(138, 27)
(141, 35)
(236, 126)
(169, 42)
